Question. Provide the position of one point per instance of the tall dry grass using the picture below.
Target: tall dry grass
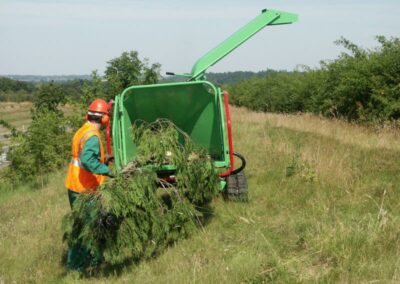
(17, 114)
(385, 136)
(323, 207)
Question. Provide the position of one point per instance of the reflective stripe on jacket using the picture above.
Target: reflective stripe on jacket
(78, 179)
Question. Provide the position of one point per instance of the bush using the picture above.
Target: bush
(361, 85)
(42, 149)
(45, 146)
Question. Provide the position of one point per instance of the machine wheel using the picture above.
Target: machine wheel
(236, 187)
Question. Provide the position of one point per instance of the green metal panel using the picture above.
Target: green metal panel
(195, 107)
(267, 17)
(116, 133)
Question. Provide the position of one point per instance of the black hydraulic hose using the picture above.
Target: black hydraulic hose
(242, 166)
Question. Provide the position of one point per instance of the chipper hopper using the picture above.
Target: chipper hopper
(195, 105)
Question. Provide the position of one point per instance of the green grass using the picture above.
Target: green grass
(323, 208)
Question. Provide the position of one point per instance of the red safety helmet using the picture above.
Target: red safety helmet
(99, 105)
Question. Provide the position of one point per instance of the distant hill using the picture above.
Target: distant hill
(216, 78)
(13, 85)
(15, 90)
(23, 88)
(236, 76)
(47, 78)
(226, 77)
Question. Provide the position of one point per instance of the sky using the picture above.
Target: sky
(60, 37)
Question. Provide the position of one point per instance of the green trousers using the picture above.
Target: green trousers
(72, 195)
(78, 256)
(76, 253)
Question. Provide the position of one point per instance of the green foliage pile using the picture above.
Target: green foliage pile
(137, 214)
(361, 85)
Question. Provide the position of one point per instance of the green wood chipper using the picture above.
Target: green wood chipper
(195, 105)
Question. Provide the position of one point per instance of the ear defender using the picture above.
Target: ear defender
(105, 119)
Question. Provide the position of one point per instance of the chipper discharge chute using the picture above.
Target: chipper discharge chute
(195, 105)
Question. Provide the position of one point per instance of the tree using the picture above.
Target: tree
(93, 89)
(128, 70)
(48, 97)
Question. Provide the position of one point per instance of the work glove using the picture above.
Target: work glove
(108, 159)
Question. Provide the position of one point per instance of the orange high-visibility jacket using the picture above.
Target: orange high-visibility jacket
(78, 179)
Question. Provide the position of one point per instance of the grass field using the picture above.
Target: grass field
(324, 207)
(17, 114)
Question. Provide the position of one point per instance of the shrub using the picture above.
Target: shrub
(361, 85)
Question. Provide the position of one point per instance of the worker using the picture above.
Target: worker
(88, 168)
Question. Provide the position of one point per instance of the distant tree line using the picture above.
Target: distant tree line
(18, 91)
(360, 85)
(12, 90)
(235, 77)
(47, 78)
(121, 72)
(223, 77)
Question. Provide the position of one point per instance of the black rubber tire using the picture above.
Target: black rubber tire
(243, 163)
(236, 187)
